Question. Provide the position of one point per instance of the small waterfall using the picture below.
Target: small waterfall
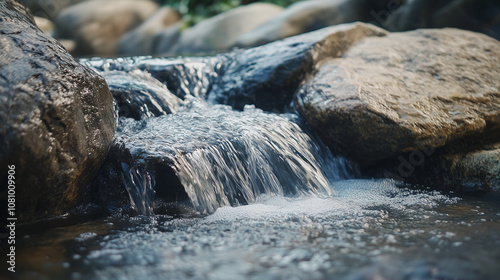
(139, 183)
(211, 155)
(223, 157)
(276, 159)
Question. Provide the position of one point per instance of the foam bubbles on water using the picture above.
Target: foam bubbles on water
(353, 196)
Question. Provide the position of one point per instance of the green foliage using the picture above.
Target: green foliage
(194, 11)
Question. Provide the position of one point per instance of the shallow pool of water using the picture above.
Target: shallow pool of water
(371, 229)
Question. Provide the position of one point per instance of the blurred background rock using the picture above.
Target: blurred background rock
(110, 28)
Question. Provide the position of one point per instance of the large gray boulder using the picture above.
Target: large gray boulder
(219, 33)
(405, 92)
(56, 119)
(96, 26)
(268, 76)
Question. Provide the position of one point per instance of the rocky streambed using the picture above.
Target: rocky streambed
(347, 152)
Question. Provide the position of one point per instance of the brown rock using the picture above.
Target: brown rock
(405, 92)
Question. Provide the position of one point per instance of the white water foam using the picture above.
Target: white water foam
(353, 196)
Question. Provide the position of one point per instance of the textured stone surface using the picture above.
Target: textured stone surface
(141, 40)
(471, 166)
(479, 169)
(405, 92)
(219, 33)
(96, 25)
(56, 119)
(268, 76)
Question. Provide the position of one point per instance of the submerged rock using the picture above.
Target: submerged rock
(268, 76)
(213, 156)
(96, 26)
(405, 92)
(56, 119)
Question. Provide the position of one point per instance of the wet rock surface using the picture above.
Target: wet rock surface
(405, 92)
(269, 75)
(182, 76)
(475, 170)
(56, 119)
(468, 168)
(139, 96)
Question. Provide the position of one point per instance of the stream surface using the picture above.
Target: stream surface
(372, 229)
(265, 200)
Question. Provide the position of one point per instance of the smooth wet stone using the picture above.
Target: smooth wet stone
(268, 76)
(96, 26)
(307, 16)
(137, 95)
(142, 39)
(56, 119)
(182, 76)
(218, 34)
(209, 157)
(405, 92)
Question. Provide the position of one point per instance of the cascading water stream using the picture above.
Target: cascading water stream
(226, 157)
(183, 148)
(140, 187)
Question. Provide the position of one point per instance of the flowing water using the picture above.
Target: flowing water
(266, 200)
